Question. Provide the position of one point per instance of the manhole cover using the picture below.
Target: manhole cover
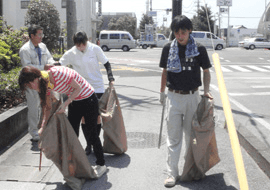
(143, 140)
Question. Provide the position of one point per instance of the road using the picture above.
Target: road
(143, 166)
(246, 74)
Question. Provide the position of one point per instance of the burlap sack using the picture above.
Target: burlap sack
(202, 153)
(61, 145)
(115, 139)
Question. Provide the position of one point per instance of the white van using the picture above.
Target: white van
(204, 38)
(112, 39)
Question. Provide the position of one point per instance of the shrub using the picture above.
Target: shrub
(10, 93)
(10, 44)
(57, 56)
(46, 15)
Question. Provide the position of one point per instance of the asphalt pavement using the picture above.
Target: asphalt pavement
(143, 166)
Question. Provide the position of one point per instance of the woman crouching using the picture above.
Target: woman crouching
(82, 102)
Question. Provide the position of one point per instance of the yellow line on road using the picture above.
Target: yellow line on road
(239, 164)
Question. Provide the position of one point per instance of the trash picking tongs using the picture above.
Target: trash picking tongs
(161, 123)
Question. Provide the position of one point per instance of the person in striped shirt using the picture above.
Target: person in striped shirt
(82, 102)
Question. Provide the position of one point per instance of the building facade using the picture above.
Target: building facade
(14, 12)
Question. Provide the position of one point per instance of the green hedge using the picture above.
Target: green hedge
(10, 93)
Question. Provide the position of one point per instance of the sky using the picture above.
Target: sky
(242, 12)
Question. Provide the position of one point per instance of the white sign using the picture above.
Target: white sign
(224, 2)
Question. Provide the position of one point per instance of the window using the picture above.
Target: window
(115, 36)
(161, 37)
(258, 39)
(64, 3)
(104, 36)
(198, 35)
(213, 36)
(125, 36)
(24, 4)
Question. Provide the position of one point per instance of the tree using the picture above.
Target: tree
(126, 23)
(46, 15)
(112, 24)
(145, 20)
(200, 22)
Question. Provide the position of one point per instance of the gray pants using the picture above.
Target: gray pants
(181, 109)
(33, 103)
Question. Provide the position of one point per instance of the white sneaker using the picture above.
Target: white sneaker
(170, 181)
(100, 170)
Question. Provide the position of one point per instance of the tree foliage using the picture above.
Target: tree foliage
(126, 23)
(200, 22)
(46, 15)
(145, 20)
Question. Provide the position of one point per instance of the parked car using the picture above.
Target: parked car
(206, 39)
(110, 39)
(253, 43)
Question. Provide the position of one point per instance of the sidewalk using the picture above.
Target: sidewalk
(144, 165)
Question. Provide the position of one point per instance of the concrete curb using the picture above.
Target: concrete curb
(13, 123)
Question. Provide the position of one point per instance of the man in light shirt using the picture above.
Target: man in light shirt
(85, 58)
(35, 53)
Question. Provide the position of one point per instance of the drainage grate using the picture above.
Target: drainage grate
(143, 140)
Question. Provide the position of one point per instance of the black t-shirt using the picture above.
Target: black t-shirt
(190, 76)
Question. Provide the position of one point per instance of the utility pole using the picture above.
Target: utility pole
(176, 8)
(150, 5)
(198, 7)
(71, 22)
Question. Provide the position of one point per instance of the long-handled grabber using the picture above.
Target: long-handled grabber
(161, 123)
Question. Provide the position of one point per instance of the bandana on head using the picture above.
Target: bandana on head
(174, 64)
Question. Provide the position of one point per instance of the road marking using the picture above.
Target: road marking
(260, 86)
(250, 94)
(257, 68)
(268, 67)
(246, 110)
(125, 68)
(225, 70)
(228, 61)
(236, 67)
(248, 78)
(261, 58)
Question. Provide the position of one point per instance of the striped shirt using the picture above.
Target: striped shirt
(63, 77)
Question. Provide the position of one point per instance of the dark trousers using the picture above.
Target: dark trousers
(87, 108)
(99, 125)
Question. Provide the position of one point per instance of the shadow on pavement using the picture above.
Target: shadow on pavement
(211, 182)
(251, 121)
(112, 160)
